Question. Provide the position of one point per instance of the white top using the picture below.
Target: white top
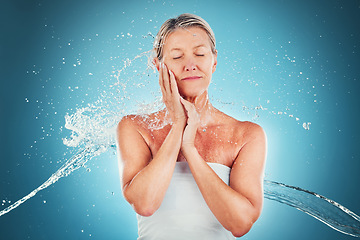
(183, 213)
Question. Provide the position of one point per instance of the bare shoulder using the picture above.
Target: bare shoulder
(128, 121)
(143, 124)
(127, 125)
(252, 130)
(131, 134)
(134, 121)
(245, 130)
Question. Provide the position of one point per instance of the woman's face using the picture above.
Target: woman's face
(187, 53)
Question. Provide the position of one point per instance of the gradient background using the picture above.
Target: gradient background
(297, 58)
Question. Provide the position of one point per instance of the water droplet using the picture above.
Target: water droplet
(306, 126)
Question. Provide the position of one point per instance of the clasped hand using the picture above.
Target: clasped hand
(181, 111)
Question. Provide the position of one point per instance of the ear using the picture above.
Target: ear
(156, 62)
(215, 61)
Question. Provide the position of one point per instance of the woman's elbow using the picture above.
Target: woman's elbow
(242, 226)
(145, 211)
(141, 206)
(241, 230)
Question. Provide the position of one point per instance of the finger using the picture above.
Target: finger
(193, 116)
(188, 105)
(166, 79)
(161, 81)
(173, 84)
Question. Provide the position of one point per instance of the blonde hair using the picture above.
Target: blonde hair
(182, 21)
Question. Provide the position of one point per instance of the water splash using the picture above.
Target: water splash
(325, 210)
(93, 133)
(74, 163)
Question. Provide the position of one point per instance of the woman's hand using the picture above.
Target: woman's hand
(193, 122)
(171, 96)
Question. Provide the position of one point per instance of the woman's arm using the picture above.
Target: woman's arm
(239, 205)
(145, 180)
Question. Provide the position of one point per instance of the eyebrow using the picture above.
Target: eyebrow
(175, 49)
(179, 49)
(201, 45)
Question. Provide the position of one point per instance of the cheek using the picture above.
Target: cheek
(175, 68)
(207, 65)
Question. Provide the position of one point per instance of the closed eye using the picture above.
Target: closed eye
(176, 57)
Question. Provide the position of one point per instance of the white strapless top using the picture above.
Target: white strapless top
(184, 214)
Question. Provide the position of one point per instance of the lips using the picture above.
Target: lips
(190, 78)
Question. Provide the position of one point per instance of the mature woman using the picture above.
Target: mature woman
(199, 176)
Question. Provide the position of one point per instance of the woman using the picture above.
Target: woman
(199, 176)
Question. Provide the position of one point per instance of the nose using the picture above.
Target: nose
(189, 68)
(190, 65)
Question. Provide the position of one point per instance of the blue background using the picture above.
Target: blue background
(296, 59)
